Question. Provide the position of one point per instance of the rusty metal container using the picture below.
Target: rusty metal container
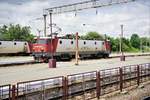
(52, 63)
(122, 58)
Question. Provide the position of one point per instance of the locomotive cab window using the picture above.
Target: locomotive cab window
(95, 43)
(15, 43)
(41, 41)
(0, 43)
(84, 42)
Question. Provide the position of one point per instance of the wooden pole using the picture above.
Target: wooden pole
(77, 49)
(51, 33)
(122, 57)
(138, 75)
(121, 79)
(13, 92)
(98, 85)
(65, 88)
(121, 37)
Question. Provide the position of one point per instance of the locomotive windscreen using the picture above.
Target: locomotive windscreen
(41, 41)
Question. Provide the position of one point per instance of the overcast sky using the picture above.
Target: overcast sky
(135, 17)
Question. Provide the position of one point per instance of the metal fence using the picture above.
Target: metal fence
(44, 89)
(109, 80)
(5, 92)
(82, 86)
(129, 75)
(144, 72)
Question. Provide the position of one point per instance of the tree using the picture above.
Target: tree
(135, 41)
(3, 30)
(69, 36)
(145, 43)
(15, 32)
(93, 36)
(114, 44)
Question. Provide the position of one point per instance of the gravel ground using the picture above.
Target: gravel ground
(12, 75)
(135, 94)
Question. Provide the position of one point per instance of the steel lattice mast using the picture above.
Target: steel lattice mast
(85, 5)
(80, 6)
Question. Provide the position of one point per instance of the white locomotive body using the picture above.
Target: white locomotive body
(13, 47)
(68, 45)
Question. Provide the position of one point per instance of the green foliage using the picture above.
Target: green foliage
(88, 36)
(135, 41)
(145, 41)
(114, 43)
(127, 46)
(93, 36)
(69, 36)
(15, 32)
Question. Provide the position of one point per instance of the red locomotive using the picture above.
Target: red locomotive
(65, 48)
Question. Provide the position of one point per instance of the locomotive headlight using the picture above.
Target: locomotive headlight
(33, 49)
(42, 49)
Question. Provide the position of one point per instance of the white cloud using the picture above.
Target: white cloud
(134, 16)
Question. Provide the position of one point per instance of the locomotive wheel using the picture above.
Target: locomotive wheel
(36, 59)
(65, 57)
(106, 56)
(58, 58)
(45, 60)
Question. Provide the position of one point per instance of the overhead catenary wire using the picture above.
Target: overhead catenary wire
(84, 5)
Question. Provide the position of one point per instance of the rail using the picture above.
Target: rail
(78, 86)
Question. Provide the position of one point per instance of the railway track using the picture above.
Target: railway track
(33, 62)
